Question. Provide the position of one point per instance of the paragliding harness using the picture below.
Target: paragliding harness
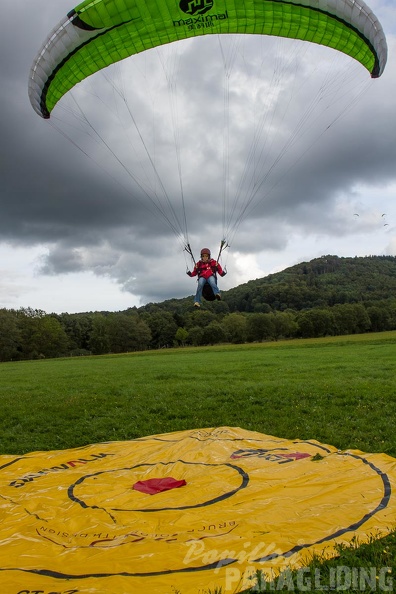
(207, 291)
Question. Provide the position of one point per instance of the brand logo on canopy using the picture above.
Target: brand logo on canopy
(193, 7)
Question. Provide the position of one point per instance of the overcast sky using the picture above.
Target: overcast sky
(308, 130)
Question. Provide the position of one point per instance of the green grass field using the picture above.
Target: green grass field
(339, 390)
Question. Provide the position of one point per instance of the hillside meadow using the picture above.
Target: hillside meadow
(337, 390)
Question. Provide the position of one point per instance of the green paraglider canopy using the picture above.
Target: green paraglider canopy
(98, 33)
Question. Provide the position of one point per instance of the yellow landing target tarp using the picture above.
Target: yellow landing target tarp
(183, 512)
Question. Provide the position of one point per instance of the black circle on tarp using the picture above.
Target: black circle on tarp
(243, 483)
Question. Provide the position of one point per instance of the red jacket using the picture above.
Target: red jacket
(206, 269)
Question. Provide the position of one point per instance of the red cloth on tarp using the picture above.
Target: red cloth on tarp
(154, 486)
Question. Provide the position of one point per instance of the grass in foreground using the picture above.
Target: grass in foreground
(340, 391)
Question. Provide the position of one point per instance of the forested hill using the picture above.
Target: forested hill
(327, 296)
(322, 282)
(325, 281)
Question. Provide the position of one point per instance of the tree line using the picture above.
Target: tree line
(327, 296)
(33, 334)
